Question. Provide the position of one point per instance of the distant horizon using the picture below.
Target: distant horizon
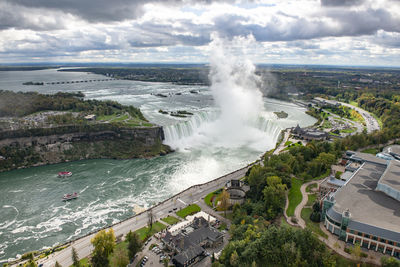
(127, 64)
(303, 32)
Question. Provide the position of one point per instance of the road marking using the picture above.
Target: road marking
(181, 201)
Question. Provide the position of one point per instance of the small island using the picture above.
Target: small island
(179, 113)
(281, 114)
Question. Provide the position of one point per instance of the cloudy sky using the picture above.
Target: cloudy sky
(342, 32)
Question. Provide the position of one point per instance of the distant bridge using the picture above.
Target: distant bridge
(81, 81)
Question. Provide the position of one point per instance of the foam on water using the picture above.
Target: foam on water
(109, 189)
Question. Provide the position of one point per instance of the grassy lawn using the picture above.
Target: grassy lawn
(123, 245)
(170, 220)
(349, 130)
(284, 222)
(372, 151)
(314, 227)
(145, 233)
(288, 143)
(293, 145)
(106, 117)
(353, 103)
(209, 197)
(310, 187)
(294, 196)
(311, 199)
(327, 124)
(84, 262)
(189, 210)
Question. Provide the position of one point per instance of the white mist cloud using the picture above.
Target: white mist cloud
(235, 88)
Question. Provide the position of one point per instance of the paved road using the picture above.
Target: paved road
(191, 195)
(371, 122)
(358, 125)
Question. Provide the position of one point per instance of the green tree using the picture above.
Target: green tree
(234, 259)
(104, 244)
(75, 258)
(31, 263)
(389, 262)
(134, 244)
(120, 258)
(224, 201)
(57, 264)
(356, 252)
(326, 158)
(274, 196)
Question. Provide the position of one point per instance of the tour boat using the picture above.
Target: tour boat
(70, 196)
(64, 174)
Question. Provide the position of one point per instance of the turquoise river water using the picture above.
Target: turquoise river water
(32, 213)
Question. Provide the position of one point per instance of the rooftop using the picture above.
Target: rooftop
(188, 254)
(393, 149)
(391, 177)
(368, 206)
(365, 157)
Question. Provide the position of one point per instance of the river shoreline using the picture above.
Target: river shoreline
(158, 205)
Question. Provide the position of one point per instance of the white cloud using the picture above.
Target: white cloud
(305, 31)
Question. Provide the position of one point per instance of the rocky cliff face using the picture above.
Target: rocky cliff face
(119, 143)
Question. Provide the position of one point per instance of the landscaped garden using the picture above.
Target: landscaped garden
(170, 220)
(189, 210)
(294, 196)
(313, 226)
(146, 232)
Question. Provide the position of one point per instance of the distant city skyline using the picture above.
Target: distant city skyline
(326, 32)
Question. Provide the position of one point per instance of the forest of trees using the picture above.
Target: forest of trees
(23, 103)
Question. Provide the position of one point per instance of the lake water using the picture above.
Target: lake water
(33, 215)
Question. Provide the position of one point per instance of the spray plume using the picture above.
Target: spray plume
(234, 86)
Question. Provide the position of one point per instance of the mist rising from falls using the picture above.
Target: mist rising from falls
(241, 120)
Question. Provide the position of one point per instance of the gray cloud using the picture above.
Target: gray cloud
(89, 10)
(341, 2)
(12, 16)
(346, 23)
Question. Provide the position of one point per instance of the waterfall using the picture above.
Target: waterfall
(187, 128)
(197, 129)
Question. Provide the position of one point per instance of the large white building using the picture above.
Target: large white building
(366, 209)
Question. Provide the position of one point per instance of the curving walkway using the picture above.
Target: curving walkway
(332, 241)
(297, 212)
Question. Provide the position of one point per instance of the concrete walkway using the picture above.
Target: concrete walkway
(304, 200)
(297, 212)
(332, 241)
(282, 144)
(338, 246)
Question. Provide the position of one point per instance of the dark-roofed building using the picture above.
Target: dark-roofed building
(366, 209)
(189, 256)
(309, 133)
(237, 191)
(190, 243)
